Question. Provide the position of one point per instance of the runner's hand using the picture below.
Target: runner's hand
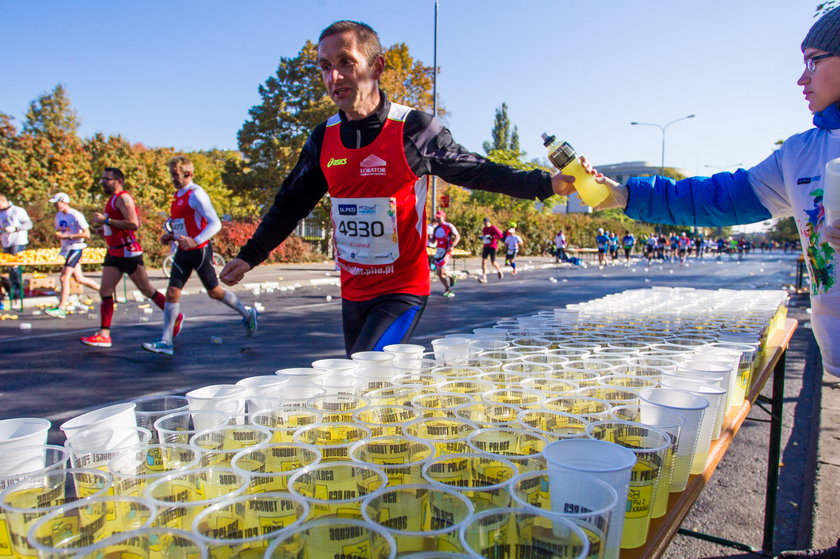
(186, 243)
(167, 238)
(98, 219)
(832, 234)
(10, 229)
(562, 184)
(234, 271)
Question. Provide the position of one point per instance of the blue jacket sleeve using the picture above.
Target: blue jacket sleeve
(723, 199)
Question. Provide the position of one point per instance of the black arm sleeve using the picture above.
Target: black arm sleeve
(298, 195)
(430, 150)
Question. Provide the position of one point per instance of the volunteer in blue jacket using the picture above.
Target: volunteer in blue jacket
(788, 183)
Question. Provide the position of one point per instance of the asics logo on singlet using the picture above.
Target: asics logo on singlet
(372, 165)
(334, 161)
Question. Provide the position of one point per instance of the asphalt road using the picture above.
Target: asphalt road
(46, 372)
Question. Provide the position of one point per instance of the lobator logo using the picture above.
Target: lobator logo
(347, 209)
(372, 165)
(334, 161)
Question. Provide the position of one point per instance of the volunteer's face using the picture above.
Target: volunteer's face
(822, 86)
(351, 81)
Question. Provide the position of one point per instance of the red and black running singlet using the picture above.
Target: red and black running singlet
(378, 213)
(184, 219)
(121, 242)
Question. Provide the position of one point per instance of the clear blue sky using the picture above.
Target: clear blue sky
(185, 73)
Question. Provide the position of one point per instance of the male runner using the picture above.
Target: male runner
(193, 222)
(445, 236)
(629, 241)
(72, 229)
(512, 242)
(370, 157)
(490, 236)
(119, 224)
(602, 243)
(560, 247)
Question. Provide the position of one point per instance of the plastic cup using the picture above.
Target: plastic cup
(553, 424)
(181, 495)
(114, 419)
(269, 466)
(588, 409)
(284, 419)
(608, 462)
(75, 527)
(337, 408)
(521, 397)
(304, 377)
(148, 543)
(400, 457)
(333, 537)
(715, 395)
(512, 532)
(133, 469)
(262, 390)
(337, 488)
(378, 364)
(397, 395)
(30, 432)
(43, 458)
(338, 384)
(488, 414)
(218, 445)
(448, 434)
(693, 446)
(227, 398)
(583, 499)
(482, 478)
(701, 369)
(522, 448)
(28, 500)
(419, 517)
(651, 448)
(450, 351)
(470, 387)
(332, 439)
(151, 408)
(614, 395)
(459, 372)
(436, 404)
(243, 526)
(385, 420)
(96, 449)
(179, 427)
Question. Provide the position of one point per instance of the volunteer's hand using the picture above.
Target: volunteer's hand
(618, 192)
(167, 238)
(832, 234)
(234, 271)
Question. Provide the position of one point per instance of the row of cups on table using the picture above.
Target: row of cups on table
(529, 343)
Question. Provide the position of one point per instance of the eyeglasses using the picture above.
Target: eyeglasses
(811, 63)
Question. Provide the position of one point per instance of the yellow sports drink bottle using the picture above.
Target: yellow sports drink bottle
(564, 157)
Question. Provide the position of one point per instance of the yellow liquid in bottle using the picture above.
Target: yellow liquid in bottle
(591, 192)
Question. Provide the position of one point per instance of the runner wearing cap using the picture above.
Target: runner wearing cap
(72, 229)
(602, 243)
(446, 236)
(490, 236)
(119, 224)
(373, 157)
(512, 242)
(193, 222)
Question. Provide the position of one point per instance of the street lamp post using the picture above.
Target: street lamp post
(662, 128)
(434, 102)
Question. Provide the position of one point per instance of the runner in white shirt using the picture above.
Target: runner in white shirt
(72, 229)
(512, 242)
(14, 224)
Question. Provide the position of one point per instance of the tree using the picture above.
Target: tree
(405, 80)
(784, 229)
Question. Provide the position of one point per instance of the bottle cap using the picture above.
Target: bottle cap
(547, 140)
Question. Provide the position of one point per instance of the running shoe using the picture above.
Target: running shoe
(177, 328)
(482, 279)
(448, 293)
(514, 271)
(452, 281)
(501, 274)
(56, 312)
(97, 340)
(250, 323)
(159, 346)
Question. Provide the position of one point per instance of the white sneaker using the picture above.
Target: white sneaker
(159, 346)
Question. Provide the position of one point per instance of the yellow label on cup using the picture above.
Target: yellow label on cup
(5, 537)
